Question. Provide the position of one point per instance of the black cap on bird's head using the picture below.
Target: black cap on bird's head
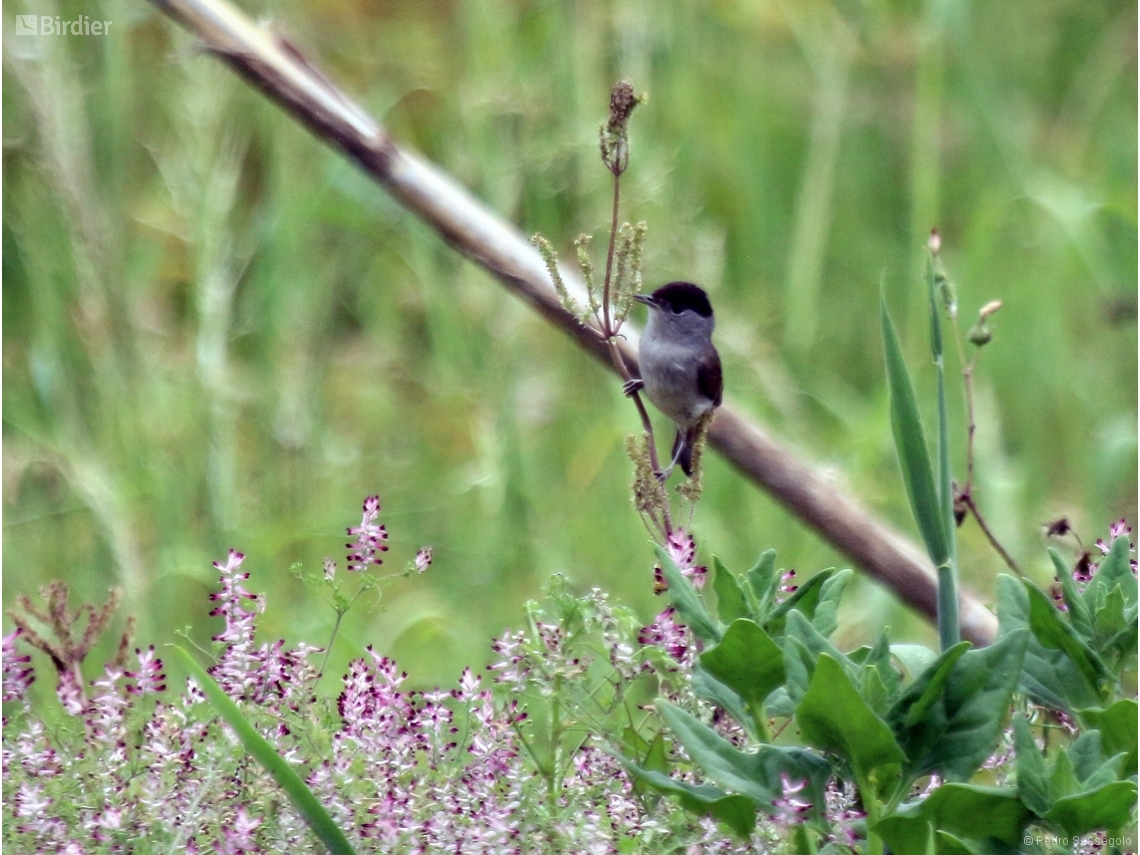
(676, 297)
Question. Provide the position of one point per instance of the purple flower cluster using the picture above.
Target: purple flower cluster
(1086, 568)
(370, 540)
(130, 765)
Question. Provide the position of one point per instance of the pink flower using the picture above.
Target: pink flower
(370, 538)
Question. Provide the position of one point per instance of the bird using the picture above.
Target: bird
(680, 366)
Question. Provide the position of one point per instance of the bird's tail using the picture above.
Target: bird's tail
(683, 450)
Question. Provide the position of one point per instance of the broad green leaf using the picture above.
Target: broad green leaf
(724, 764)
(763, 580)
(736, 812)
(1054, 634)
(299, 794)
(1063, 779)
(756, 775)
(964, 724)
(833, 717)
(655, 758)
(1087, 757)
(1109, 619)
(730, 602)
(1109, 806)
(825, 619)
(709, 688)
(973, 811)
(919, 697)
(1078, 609)
(947, 844)
(914, 658)
(801, 629)
(805, 599)
(690, 608)
(966, 811)
(1118, 730)
(1048, 676)
(910, 442)
(1114, 570)
(651, 756)
(747, 661)
(878, 679)
(1032, 772)
(905, 834)
(799, 665)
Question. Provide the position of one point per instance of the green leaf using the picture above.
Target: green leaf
(833, 717)
(973, 811)
(948, 630)
(302, 797)
(878, 679)
(905, 834)
(914, 658)
(1063, 779)
(1118, 730)
(1109, 806)
(747, 661)
(690, 608)
(1078, 609)
(1114, 570)
(799, 665)
(964, 724)
(826, 619)
(947, 844)
(916, 701)
(730, 602)
(1049, 677)
(709, 688)
(1032, 772)
(763, 580)
(803, 840)
(756, 775)
(1054, 634)
(1088, 759)
(804, 601)
(736, 812)
(1109, 619)
(724, 764)
(910, 442)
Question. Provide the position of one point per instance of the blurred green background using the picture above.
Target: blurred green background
(219, 333)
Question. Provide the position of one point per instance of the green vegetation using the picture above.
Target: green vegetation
(219, 333)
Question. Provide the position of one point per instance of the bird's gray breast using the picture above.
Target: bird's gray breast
(670, 376)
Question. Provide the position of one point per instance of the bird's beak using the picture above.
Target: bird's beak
(645, 298)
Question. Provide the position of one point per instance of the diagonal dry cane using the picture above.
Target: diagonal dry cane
(280, 71)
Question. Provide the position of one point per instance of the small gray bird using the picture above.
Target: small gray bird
(680, 368)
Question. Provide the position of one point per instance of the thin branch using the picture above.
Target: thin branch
(968, 501)
(278, 70)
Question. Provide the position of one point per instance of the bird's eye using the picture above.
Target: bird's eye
(675, 309)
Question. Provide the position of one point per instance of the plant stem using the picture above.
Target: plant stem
(870, 798)
(756, 709)
(609, 333)
(966, 494)
(968, 501)
(332, 638)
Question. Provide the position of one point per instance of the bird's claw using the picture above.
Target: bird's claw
(631, 386)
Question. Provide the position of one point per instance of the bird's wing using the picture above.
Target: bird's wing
(709, 379)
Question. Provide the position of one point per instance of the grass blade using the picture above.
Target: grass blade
(302, 797)
(910, 441)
